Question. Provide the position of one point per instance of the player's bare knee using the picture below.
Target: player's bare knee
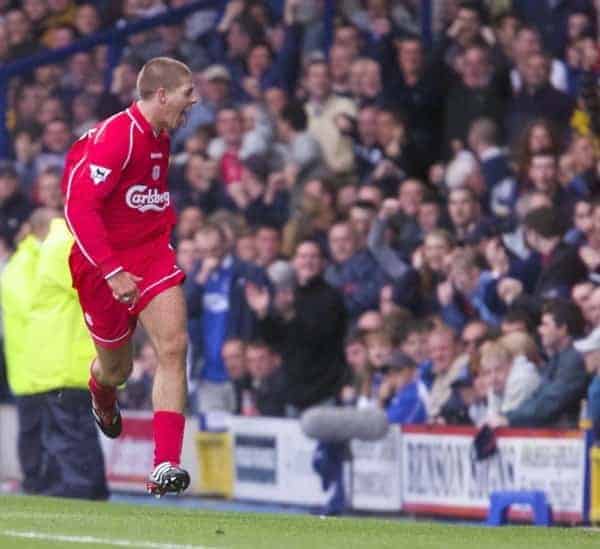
(172, 351)
(115, 373)
(115, 365)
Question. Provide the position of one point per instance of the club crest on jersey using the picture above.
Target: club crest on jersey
(155, 172)
(99, 174)
(143, 199)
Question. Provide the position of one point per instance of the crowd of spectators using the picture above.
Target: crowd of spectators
(365, 219)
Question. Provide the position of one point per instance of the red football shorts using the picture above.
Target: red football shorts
(110, 322)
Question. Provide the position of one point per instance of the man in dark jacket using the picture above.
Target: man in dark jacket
(415, 91)
(471, 98)
(307, 328)
(556, 402)
(217, 311)
(562, 267)
(234, 357)
(14, 206)
(538, 98)
(197, 188)
(268, 385)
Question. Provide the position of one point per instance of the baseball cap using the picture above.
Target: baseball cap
(216, 72)
(590, 343)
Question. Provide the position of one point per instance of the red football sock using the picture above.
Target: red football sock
(168, 436)
(104, 396)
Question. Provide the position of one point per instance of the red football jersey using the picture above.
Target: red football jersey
(115, 183)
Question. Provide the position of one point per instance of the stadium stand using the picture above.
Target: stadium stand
(427, 171)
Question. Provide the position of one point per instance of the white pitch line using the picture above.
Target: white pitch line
(42, 516)
(101, 541)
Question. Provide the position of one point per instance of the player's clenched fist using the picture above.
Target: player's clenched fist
(124, 287)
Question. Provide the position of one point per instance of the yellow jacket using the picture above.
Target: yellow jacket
(55, 349)
(59, 349)
(16, 290)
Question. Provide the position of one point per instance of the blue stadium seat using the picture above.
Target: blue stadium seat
(500, 503)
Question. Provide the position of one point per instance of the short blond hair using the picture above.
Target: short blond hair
(161, 72)
(521, 343)
(495, 349)
(442, 234)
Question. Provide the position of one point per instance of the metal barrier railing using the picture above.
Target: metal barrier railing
(115, 39)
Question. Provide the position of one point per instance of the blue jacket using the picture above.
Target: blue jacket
(593, 397)
(360, 280)
(481, 302)
(556, 401)
(426, 374)
(241, 320)
(406, 406)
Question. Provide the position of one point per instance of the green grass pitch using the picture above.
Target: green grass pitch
(35, 522)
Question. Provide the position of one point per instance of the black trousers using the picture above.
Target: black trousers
(29, 441)
(58, 439)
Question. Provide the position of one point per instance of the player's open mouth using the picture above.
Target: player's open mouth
(183, 117)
